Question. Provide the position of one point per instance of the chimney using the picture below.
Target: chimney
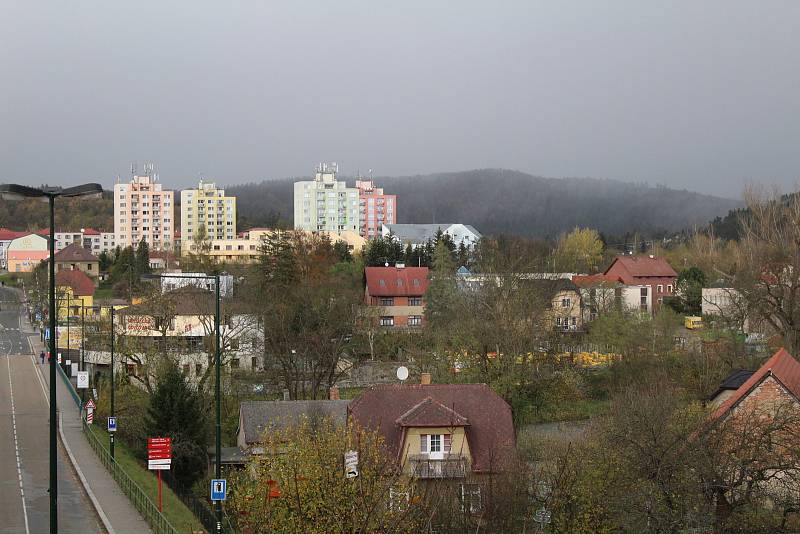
(285, 394)
(333, 393)
(425, 379)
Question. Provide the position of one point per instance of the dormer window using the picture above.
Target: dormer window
(435, 445)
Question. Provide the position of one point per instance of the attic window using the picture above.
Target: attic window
(399, 282)
(382, 282)
(416, 282)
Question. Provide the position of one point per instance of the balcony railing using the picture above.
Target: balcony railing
(450, 466)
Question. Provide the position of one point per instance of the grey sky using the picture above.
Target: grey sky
(698, 95)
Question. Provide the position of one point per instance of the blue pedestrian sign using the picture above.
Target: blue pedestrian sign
(219, 489)
(47, 334)
(112, 424)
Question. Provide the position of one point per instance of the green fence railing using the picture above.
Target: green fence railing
(135, 494)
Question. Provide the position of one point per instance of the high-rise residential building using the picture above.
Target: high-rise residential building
(325, 204)
(207, 206)
(143, 210)
(375, 208)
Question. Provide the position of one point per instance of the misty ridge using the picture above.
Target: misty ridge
(499, 201)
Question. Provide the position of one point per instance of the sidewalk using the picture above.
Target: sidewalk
(118, 510)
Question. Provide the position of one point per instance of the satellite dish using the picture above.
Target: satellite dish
(402, 372)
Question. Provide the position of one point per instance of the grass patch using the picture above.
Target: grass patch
(576, 410)
(174, 509)
(104, 293)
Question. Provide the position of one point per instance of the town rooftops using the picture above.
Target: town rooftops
(589, 280)
(82, 285)
(75, 253)
(255, 417)
(485, 416)
(8, 235)
(644, 266)
(781, 366)
(396, 281)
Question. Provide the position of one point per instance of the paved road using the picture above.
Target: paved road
(24, 437)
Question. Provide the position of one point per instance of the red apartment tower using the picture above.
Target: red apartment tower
(375, 208)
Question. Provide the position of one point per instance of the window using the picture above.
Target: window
(565, 303)
(414, 320)
(387, 301)
(471, 498)
(234, 363)
(415, 301)
(574, 321)
(254, 362)
(660, 288)
(198, 369)
(186, 369)
(669, 289)
(435, 445)
(387, 321)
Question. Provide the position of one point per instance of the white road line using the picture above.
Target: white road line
(16, 444)
(38, 373)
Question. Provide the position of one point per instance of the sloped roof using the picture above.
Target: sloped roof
(257, 416)
(75, 253)
(90, 231)
(733, 381)
(490, 433)
(188, 300)
(82, 285)
(645, 266)
(420, 233)
(8, 235)
(430, 413)
(584, 280)
(781, 366)
(397, 281)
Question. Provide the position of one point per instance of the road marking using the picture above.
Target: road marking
(16, 445)
(38, 373)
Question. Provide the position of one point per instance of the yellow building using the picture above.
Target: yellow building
(74, 290)
(206, 206)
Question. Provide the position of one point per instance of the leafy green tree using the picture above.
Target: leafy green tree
(580, 250)
(178, 411)
(342, 251)
(142, 258)
(690, 285)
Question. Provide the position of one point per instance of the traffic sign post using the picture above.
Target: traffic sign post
(89, 407)
(83, 379)
(542, 516)
(351, 464)
(112, 424)
(219, 489)
(159, 458)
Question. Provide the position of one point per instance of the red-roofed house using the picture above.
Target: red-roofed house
(76, 258)
(398, 293)
(439, 430)
(25, 252)
(6, 237)
(645, 270)
(74, 289)
(603, 293)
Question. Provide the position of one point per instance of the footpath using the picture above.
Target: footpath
(116, 512)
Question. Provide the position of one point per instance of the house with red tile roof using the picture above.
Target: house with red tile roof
(604, 293)
(76, 258)
(452, 431)
(6, 237)
(397, 294)
(74, 290)
(645, 270)
(25, 252)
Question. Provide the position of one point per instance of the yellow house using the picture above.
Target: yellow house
(440, 431)
(74, 290)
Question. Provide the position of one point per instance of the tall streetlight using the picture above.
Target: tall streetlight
(113, 384)
(218, 470)
(49, 195)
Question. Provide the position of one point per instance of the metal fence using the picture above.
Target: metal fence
(137, 496)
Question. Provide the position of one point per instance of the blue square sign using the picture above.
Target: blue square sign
(112, 424)
(219, 489)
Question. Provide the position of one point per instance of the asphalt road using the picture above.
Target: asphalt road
(24, 438)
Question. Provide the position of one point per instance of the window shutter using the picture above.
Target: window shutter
(423, 443)
(447, 441)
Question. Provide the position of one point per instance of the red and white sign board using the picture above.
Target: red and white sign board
(89, 406)
(159, 453)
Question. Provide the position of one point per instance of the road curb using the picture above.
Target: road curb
(100, 513)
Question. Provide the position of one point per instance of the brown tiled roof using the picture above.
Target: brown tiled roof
(490, 433)
(397, 281)
(81, 284)
(645, 266)
(430, 413)
(595, 280)
(780, 366)
(257, 416)
(75, 253)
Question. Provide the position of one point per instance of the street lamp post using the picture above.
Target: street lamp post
(217, 361)
(113, 386)
(49, 195)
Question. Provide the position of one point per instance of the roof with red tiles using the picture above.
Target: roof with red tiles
(90, 231)
(595, 280)
(391, 409)
(644, 266)
(396, 281)
(781, 366)
(8, 235)
(82, 285)
(75, 253)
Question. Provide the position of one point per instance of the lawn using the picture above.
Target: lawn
(104, 293)
(175, 511)
(576, 410)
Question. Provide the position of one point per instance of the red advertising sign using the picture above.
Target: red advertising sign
(159, 448)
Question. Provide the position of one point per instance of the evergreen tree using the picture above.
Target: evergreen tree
(442, 294)
(277, 263)
(342, 251)
(142, 264)
(177, 411)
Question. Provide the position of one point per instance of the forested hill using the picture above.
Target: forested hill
(500, 201)
(72, 214)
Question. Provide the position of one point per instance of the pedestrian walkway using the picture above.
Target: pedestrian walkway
(121, 516)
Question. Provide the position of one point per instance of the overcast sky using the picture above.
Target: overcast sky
(692, 94)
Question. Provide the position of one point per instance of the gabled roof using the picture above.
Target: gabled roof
(733, 381)
(90, 231)
(396, 281)
(490, 433)
(781, 366)
(82, 285)
(257, 416)
(643, 266)
(589, 280)
(429, 413)
(75, 253)
(8, 235)
(420, 233)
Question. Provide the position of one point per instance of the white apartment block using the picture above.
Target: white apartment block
(107, 242)
(326, 204)
(207, 206)
(143, 210)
